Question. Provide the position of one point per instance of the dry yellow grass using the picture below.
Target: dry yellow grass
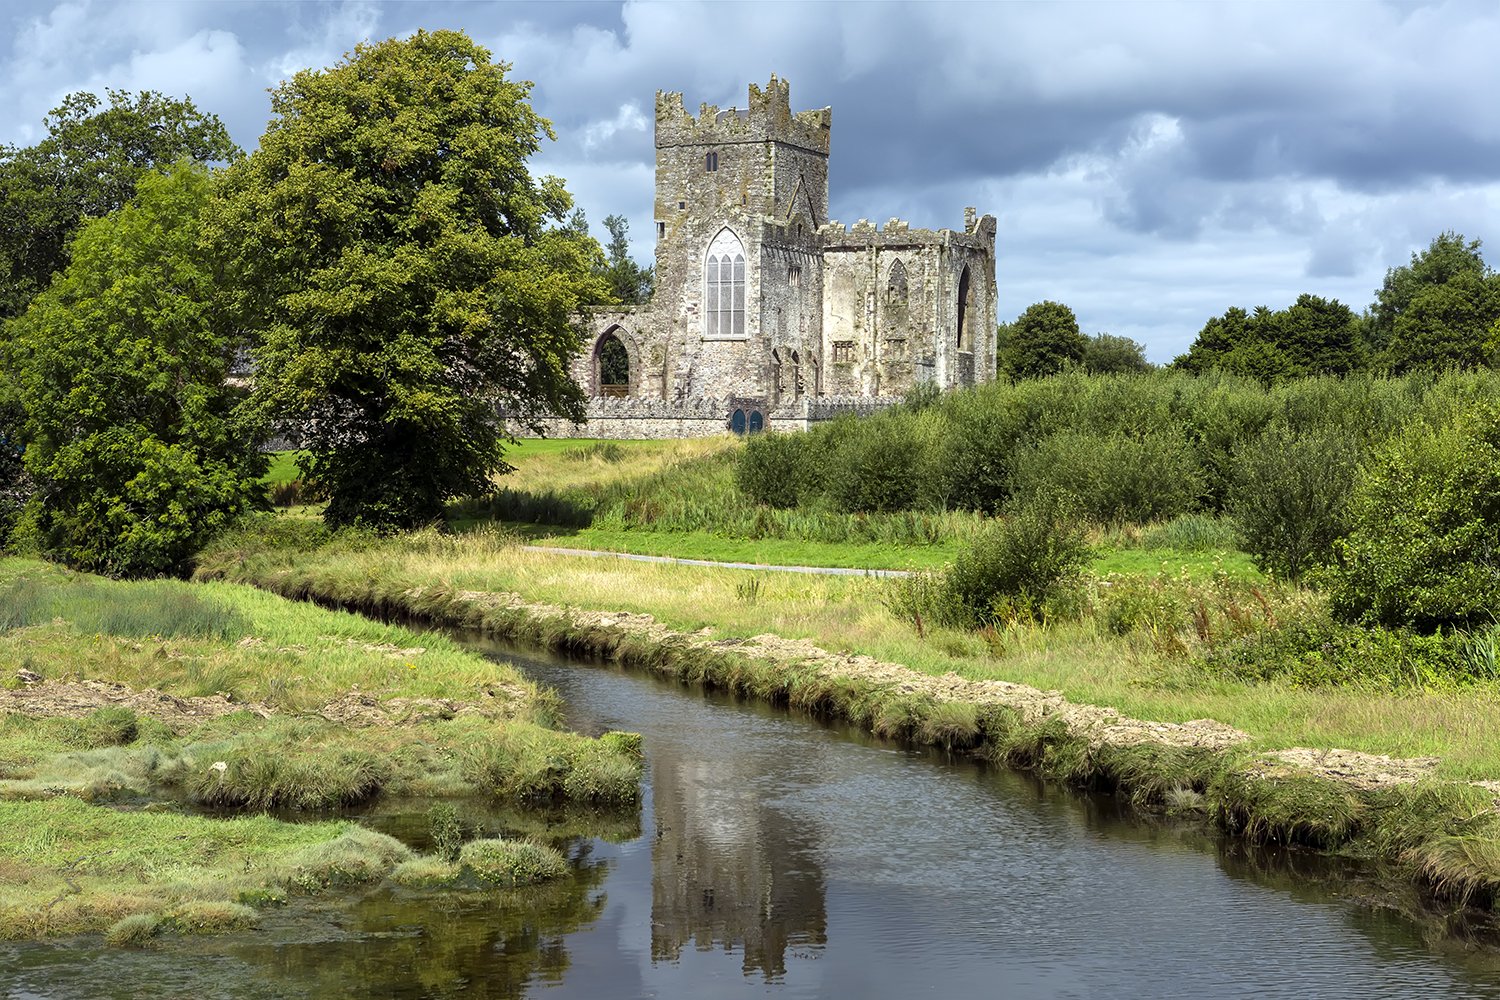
(543, 465)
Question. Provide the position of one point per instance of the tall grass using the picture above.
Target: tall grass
(158, 608)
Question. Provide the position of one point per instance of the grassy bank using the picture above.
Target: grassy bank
(704, 622)
(165, 695)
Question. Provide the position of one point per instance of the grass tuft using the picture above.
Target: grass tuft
(258, 779)
(426, 873)
(356, 856)
(511, 862)
(135, 931)
(1287, 809)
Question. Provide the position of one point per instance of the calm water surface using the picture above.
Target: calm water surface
(775, 856)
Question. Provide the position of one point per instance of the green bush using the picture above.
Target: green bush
(1290, 497)
(446, 830)
(1130, 604)
(1312, 649)
(1013, 568)
(1115, 477)
(771, 470)
(1423, 549)
(875, 468)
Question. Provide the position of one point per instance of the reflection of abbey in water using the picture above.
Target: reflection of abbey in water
(729, 871)
(766, 309)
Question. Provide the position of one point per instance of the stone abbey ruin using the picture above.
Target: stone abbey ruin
(767, 314)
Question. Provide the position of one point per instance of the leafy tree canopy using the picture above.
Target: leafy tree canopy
(1313, 336)
(1044, 340)
(1450, 324)
(15, 485)
(1448, 257)
(406, 274)
(1108, 354)
(86, 167)
(134, 438)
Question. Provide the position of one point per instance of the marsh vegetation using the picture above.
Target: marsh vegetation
(159, 741)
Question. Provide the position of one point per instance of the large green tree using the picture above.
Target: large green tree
(1447, 325)
(86, 167)
(1448, 259)
(1044, 340)
(15, 484)
(133, 434)
(1313, 336)
(406, 275)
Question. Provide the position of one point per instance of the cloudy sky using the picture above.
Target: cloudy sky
(1149, 164)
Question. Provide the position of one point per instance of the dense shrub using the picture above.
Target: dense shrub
(1312, 649)
(1423, 549)
(1012, 569)
(1115, 477)
(876, 470)
(1290, 496)
(772, 470)
(973, 455)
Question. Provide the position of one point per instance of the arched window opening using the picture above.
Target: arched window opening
(796, 376)
(724, 287)
(965, 311)
(895, 285)
(613, 366)
(777, 386)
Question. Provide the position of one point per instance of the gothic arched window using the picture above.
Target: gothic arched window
(612, 365)
(724, 287)
(895, 286)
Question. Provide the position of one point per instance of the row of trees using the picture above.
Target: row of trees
(385, 256)
(1441, 310)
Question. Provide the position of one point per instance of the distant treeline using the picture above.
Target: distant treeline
(1440, 311)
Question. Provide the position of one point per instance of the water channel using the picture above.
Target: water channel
(778, 856)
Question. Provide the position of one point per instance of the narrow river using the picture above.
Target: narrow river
(778, 856)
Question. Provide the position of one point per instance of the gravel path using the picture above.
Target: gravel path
(816, 570)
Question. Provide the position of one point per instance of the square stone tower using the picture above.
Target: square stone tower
(723, 177)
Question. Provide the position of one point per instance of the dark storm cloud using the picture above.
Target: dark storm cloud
(1149, 163)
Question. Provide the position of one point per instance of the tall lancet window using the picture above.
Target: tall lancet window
(724, 287)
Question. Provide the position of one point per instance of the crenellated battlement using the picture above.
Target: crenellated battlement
(978, 234)
(767, 118)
